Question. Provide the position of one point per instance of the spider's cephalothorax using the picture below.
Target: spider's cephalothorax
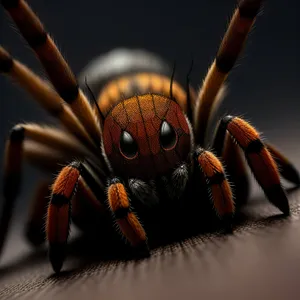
(146, 132)
(143, 140)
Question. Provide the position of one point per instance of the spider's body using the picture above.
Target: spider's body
(141, 145)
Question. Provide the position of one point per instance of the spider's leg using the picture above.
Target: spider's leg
(59, 213)
(73, 178)
(286, 169)
(34, 228)
(44, 95)
(258, 157)
(60, 147)
(236, 170)
(232, 45)
(127, 221)
(219, 187)
(58, 70)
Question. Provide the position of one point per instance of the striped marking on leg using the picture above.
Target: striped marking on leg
(59, 214)
(217, 182)
(231, 46)
(258, 157)
(127, 221)
(55, 65)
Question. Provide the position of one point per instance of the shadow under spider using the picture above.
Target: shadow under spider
(106, 247)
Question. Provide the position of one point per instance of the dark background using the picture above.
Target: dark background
(264, 88)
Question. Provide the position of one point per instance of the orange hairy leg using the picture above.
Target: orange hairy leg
(258, 157)
(232, 45)
(221, 194)
(44, 147)
(59, 72)
(59, 214)
(64, 191)
(44, 94)
(127, 221)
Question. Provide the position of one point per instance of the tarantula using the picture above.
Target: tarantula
(141, 143)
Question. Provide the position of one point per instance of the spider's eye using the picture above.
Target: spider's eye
(167, 136)
(128, 145)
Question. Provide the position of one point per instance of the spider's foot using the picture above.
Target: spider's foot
(277, 196)
(57, 256)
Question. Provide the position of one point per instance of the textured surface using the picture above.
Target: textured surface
(261, 260)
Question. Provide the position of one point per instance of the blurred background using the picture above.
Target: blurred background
(264, 87)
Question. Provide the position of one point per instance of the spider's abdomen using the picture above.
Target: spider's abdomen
(146, 136)
(124, 73)
(139, 83)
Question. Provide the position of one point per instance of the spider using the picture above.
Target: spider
(141, 144)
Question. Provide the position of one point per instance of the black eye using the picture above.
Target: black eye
(167, 136)
(128, 145)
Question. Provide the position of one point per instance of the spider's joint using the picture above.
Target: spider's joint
(226, 120)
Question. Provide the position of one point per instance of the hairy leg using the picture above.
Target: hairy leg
(43, 147)
(59, 72)
(259, 158)
(127, 221)
(232, 45)
(218, 185)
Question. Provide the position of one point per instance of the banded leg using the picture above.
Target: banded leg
(17, 148)
(51, 137)
(44, 95)
(218, 185)
(59, 214)
(55, 65)
(72, 179)
(258, 157)
(127, 221)
(232, 45)
(35, 226)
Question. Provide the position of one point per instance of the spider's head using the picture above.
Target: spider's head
(146, 136)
